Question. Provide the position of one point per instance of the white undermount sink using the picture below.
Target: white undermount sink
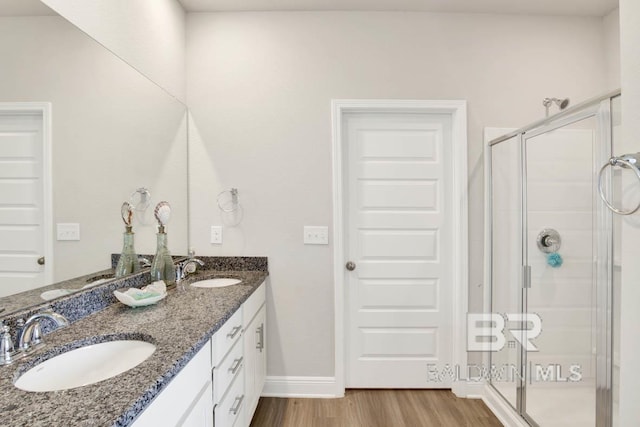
(85, 365)
(218, 282)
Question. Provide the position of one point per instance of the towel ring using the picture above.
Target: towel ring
(140, 199)
(231, 204)
(628, 161)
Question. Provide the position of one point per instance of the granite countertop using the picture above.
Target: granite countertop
(16, 302)
(179, 326)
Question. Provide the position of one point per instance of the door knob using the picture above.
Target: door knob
(351, 266)
(41, 260)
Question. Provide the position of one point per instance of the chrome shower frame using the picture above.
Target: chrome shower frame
(600, 109)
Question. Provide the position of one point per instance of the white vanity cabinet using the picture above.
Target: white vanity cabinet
(236, 398)
(255, 350)
(222, 384)
(187, 399)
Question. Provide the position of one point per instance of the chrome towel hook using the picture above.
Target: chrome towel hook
(627, 161)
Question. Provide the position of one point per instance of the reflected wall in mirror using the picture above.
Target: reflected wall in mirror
(112, 131)
(150, 35)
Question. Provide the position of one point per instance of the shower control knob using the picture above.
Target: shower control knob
(351, 266)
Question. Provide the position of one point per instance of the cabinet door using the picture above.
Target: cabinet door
(201, 414)
(189, 386)
(261, 351)
(256, 361)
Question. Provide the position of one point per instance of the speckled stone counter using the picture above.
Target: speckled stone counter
(33, 297)
(179, 326)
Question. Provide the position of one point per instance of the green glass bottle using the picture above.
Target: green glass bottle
(128, 262)
(162, 267)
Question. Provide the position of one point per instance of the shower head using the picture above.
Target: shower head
(562, 103)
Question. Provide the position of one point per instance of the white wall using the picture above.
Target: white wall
(260, 86)
(630, 271)
(148, 34)
(112, 131)
(611, 26)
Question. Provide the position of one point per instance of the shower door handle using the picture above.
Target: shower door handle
(526, 276)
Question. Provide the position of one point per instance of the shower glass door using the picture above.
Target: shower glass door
(562, 271)
(506, 259)
(551, 270)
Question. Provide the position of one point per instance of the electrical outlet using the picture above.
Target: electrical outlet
(68, 231)
(316, 235)
(216, 234)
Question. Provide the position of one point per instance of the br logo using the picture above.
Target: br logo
(486, 331)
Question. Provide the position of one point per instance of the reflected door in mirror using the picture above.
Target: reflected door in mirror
(21, 201)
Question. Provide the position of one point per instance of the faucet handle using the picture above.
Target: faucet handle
(6, 343)
(7, 351)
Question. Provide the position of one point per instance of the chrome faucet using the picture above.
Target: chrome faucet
(31, 335)
(183, 268)
(144, 262)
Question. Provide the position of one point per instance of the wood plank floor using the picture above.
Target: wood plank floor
(376, 408)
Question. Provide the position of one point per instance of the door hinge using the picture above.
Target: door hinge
(526, 276)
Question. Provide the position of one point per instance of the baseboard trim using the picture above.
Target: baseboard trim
(317, 387)
(501, 409)
(470, 390)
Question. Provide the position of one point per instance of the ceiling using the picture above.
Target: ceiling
(536, 7)
(530, 7)
(24, 8)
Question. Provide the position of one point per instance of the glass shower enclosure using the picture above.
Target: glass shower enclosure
(550, 267)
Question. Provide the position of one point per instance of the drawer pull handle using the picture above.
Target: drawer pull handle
(234, 332)
(237, 363)
(237, 404)
(260, 332)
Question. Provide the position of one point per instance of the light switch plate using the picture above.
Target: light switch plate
(216, 234)
(316, 235)
(68, 231)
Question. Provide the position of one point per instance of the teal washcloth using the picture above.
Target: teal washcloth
(554, 259)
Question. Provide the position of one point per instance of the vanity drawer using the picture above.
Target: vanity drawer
(226, 336)
(253, 304)
(227, 370)
(230, 411)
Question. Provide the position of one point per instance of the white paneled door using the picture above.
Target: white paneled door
(399, 239)
(22, 242)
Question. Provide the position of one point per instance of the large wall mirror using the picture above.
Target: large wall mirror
(80, 132)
